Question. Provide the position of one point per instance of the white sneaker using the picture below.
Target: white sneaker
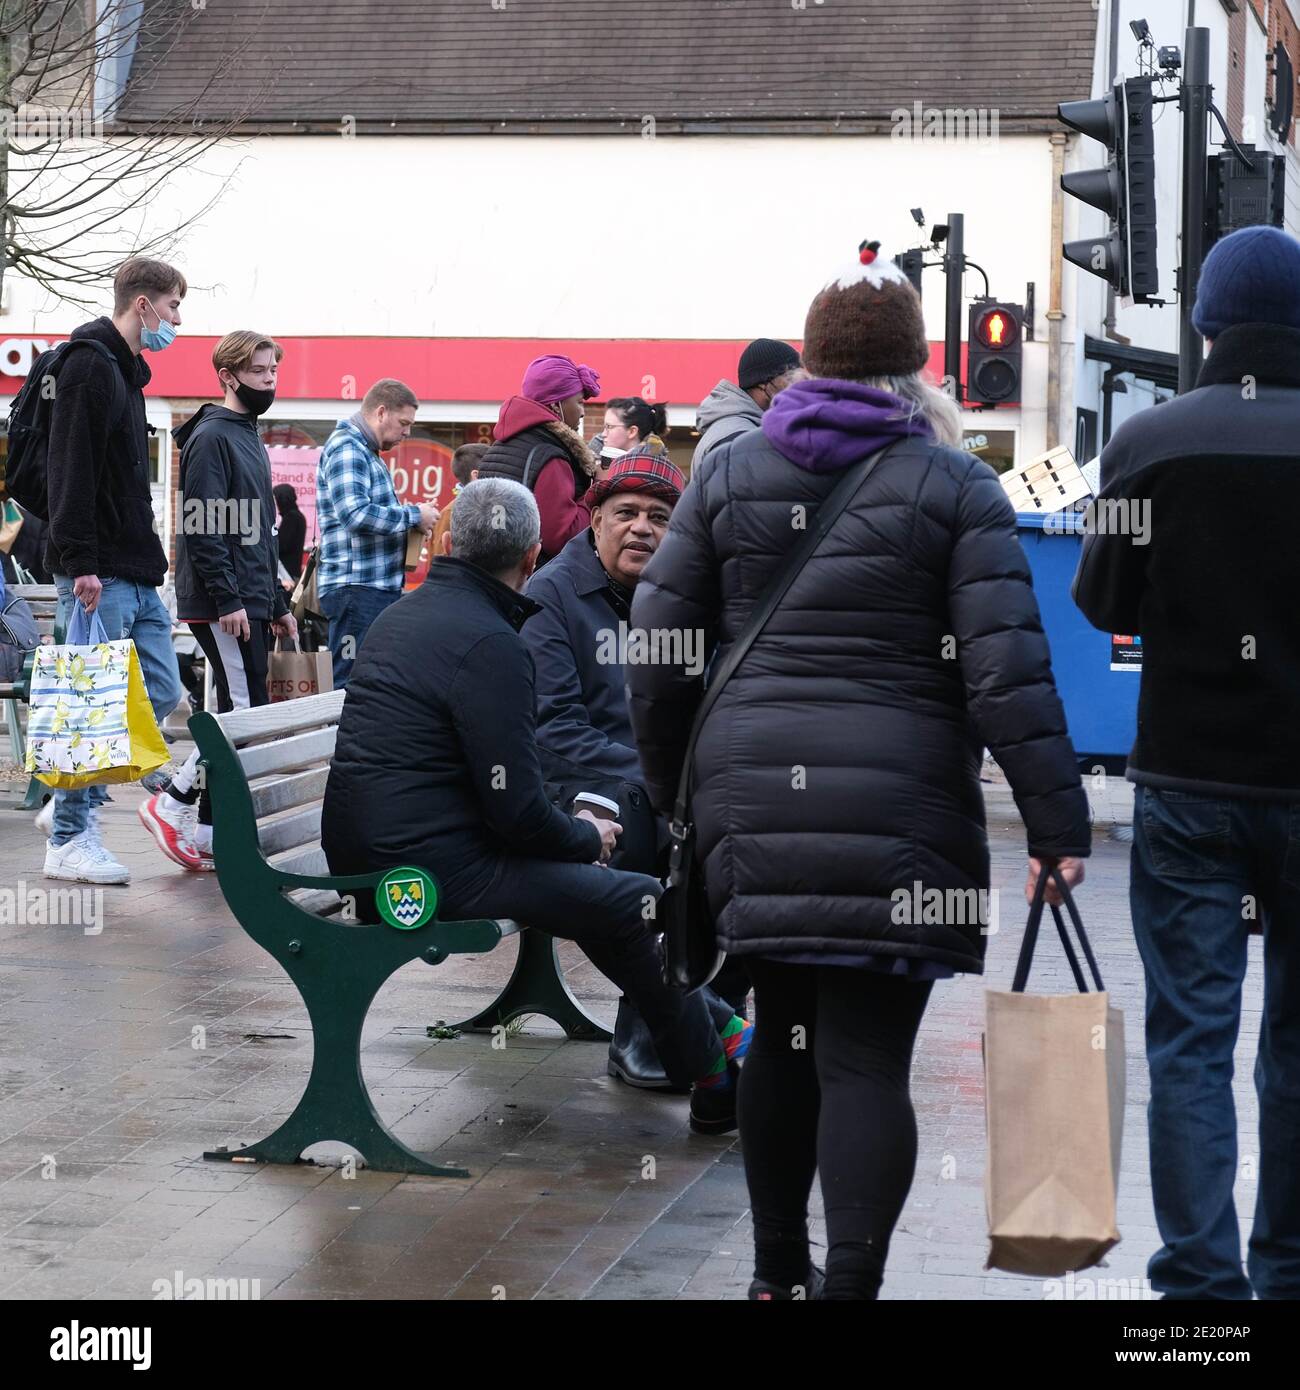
(45, 819)
(84, 860)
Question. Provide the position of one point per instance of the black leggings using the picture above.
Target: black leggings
(825, 1088)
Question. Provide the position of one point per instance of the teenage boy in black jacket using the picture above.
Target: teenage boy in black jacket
(1193, 548)
(227, 585)
(101, 545)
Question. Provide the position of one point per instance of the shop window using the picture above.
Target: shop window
(996, 447)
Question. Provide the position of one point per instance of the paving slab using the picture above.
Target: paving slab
(123, 1054)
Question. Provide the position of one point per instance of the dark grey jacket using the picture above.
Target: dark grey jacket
(840, 766)
(226, 549)
(584, 732)
(724, 413)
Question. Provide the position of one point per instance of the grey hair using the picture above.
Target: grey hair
(934, 406)
(494, 523)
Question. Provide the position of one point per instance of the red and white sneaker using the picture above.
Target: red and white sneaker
(168, 826)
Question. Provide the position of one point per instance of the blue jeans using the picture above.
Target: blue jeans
(1198, 864)
(129, 610)
(351, 609)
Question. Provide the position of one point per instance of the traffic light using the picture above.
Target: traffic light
(1125, 190)
(911, 264)
(994, 351)
(1238, 196)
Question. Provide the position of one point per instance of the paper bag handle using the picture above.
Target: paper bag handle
(1026, 957)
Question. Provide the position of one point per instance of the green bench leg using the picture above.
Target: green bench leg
(36, 794)
(536, 986)
(336, 1106)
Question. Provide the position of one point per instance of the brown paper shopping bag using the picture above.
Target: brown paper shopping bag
(293, 674)
(1054, 1101)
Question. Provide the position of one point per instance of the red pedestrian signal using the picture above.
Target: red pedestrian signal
(995, 328)
(993, 353)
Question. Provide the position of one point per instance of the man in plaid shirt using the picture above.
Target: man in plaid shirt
(360, 566)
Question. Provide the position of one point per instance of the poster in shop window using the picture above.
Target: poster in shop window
(1125, 653)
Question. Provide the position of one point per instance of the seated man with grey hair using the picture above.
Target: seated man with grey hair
(436, 766)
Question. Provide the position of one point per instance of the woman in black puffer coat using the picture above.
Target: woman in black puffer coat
(837, 777)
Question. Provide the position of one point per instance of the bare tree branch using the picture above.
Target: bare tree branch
(74, 195)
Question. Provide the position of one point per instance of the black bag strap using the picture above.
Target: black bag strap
(1027, 946)
(766, 605)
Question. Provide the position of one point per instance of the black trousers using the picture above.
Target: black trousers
(617, 936)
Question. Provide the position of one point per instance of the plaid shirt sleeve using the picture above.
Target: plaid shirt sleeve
(350, 482)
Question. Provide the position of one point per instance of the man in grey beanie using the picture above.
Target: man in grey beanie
(765, 369)
(1197, 555)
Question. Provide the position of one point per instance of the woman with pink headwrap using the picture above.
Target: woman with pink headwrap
(537, 443)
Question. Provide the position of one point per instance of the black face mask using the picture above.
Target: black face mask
(255, 401)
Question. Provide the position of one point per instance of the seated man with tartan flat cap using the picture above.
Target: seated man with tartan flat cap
(436, 766)
(580, 645)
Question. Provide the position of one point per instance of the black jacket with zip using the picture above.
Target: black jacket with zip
(226, 549)
(436, 762)
(101, 512)
(1194, 550)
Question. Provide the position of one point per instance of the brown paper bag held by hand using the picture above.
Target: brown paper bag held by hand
(1054, 1100)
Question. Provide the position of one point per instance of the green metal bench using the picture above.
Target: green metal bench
(266, 770)
(43, 600)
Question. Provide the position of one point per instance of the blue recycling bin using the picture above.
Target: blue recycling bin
(1097, 673)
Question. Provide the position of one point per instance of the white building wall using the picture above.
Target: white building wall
(694, 237)
(503, 236)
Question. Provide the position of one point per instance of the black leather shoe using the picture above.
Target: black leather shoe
(632, 1055)
(713, 1109)
(762, 1291)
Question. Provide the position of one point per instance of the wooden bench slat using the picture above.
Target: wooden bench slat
(295, 790)
(309, 861)
(245, 725)
(320, 902)
(288, 832)
(299, 750)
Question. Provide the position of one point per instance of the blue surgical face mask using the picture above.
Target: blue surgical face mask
(155, 339)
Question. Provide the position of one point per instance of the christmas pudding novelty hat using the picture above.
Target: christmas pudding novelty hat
(866, 323)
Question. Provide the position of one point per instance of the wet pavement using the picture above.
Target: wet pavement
(125, 1052)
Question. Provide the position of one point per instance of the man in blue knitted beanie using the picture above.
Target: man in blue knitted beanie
(1197, 556)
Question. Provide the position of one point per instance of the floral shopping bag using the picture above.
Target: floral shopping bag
(90, 718)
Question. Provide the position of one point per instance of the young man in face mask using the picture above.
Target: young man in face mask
(101, 544)
(227, 587)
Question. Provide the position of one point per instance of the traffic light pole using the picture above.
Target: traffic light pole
(1195, 104)
(953, 266)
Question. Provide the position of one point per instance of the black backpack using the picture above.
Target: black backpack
(27, 460)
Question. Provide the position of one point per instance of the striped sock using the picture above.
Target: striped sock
(719, 1078)
(736, 1037)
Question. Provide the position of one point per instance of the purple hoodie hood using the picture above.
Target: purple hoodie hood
(824, 425)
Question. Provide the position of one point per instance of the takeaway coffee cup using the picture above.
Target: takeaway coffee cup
(600, 806)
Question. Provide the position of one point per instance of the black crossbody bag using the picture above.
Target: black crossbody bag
(691, 954)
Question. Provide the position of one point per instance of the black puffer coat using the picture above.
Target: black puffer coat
(841, 762)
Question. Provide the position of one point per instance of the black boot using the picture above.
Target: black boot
(713, 1109)
(764, 1291)
(632, 1055)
